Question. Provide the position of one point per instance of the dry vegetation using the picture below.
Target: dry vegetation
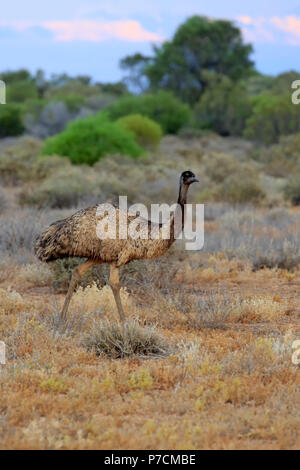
(205, 360)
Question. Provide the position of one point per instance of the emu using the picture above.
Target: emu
(76, 236)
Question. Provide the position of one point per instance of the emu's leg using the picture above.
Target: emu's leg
(76, 276)
(115, 287)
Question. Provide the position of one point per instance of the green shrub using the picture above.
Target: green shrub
(87, 140)
(11, 120)
(147, 133)
(20, 91)
(272, 117)
(162, 107)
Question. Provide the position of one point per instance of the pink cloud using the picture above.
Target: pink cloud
(256, 29)
(290, 25)
(72, 30)
(262, 30)
(245, 19)
(126, 30)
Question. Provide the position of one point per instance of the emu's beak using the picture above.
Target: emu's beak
(194, 180)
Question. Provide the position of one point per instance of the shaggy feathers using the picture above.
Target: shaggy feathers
(77, 236)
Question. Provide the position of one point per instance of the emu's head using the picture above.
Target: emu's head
(187, 178)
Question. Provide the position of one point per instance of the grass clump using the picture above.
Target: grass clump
(87, 140)
(117, 341)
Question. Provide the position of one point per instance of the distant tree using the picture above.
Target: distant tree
(199, 45)
(41, 83)
(58, 80)
(224, 107)
(270, 85)
(117, 89)
(259, 83)
(21, 75)
(136, 65)
(282, 83)
(84, 79)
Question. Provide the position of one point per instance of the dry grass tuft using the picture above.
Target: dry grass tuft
(10, 302)
(210, 310)
(267, 308)
(33, 275)
(116, 341)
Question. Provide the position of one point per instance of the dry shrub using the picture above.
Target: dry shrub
(281, 159)
(264, 354)
(10, 302)
(270, 241)
(64, 188)
(46, 166)
(280, 218)
(115, 340)
(16, 161)
(283, 253)
(19, 229)
(219, 166)
(33, 275)
(241, 188)
(211, 310)
(292, 189)
(267, 308)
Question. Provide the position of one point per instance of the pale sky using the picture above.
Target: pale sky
(91, 36)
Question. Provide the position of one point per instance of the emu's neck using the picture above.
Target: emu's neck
(183, 189)
(178, 216)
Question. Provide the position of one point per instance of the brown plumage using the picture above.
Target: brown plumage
(77, 236)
